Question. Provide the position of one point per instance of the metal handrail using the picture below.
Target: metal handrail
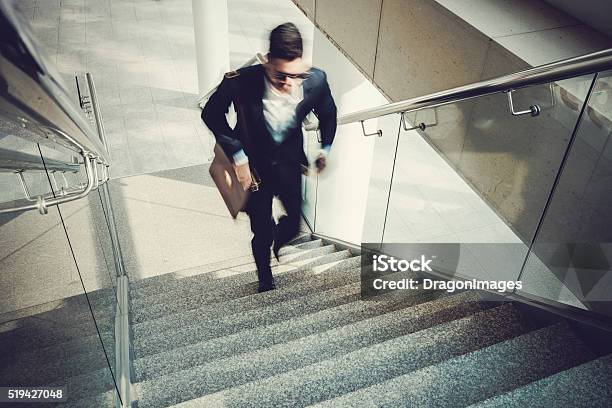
(118, 257)
(556, 71)
(122, 326)
(91, 162)
(30, 69)
(43, 203)
(15, 161)
(256, 58)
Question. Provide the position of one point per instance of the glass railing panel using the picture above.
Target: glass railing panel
(571, 258)
(309, 180)
(345, 208)
(12, 193)
(48, 335)
(379, 182)
(477, 178)
(84, 221)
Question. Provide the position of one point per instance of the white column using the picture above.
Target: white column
(210, 26)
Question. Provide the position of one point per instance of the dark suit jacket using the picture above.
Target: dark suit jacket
(247, 89)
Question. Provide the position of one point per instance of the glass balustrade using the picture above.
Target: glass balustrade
(571, 258)
(310, 179)
(478, 177)
(507, 196)
(57, 294)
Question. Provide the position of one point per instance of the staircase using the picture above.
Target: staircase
(209, 340)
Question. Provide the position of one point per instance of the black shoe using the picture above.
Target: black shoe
(266, 287)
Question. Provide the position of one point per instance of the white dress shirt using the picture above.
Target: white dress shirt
(279, 114)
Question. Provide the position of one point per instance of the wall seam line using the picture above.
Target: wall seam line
(377, 38)
(537, 31)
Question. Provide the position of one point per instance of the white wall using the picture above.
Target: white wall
(343, 186)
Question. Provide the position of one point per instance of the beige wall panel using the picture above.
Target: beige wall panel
(452, 121)
(423, 48)
(513, 160)
(307, 6)
(353, 25)
(500, 61)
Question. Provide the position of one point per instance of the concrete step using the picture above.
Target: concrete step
(289, 249)
(166, 341)
(586, 385)
(321, 291)
(283, 322)
(222, 378)
(160, 283)
(194, 287)
(484, 372)
(301, 239)
(180, 303)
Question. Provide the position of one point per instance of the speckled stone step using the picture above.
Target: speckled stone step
(160, 283)
(305, 237)
(289, 248)
(396, 335)
(283, 322)
(468, 378)
(254, 300)
(182, 303)
(151, 342)
(194, 287)
(587, 385)
(322, 291)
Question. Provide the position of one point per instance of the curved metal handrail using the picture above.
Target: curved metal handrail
(15, 161)
(90, 167)
(555, 71)
(55, 197)
(43, 203)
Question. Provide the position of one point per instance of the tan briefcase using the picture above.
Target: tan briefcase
(222, 172)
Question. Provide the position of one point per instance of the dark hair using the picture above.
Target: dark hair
(286, 42)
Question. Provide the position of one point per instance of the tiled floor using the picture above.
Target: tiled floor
(141, 54)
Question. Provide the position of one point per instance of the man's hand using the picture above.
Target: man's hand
(243, 172)
(321, 162)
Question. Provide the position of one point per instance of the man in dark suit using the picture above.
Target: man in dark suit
(271, 101)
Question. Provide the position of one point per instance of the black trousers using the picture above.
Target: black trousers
(282, 180)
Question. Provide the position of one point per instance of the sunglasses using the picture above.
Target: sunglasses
(281, 76)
